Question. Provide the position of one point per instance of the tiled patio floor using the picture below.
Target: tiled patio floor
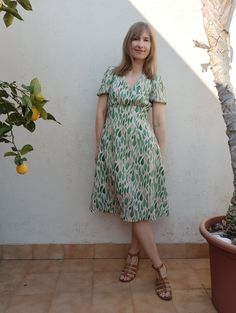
(92, 286)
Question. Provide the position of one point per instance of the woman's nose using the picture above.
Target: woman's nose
(140, 43)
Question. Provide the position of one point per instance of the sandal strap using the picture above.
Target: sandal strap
(162, 284)
(158, 268)
(130, 270)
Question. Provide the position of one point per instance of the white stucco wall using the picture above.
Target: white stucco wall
(68, 45)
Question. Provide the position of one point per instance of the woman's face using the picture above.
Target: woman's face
(140, 46)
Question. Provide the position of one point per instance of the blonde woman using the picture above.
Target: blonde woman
(129, 174)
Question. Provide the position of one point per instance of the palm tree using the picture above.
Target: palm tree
(216, 20)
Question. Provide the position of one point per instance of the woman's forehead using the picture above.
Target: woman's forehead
(141, 32)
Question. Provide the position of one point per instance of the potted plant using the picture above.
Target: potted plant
(216, 16)
(19, 105)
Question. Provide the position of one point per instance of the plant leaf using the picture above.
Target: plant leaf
(25, 4)
(26, 101)
(15, 118)
(51, 117)
(4, 140)
(9, 107)
(4, 94)
(11, 11)
(26, 149)
(4, 128)
(35, 86)
(8, 19)
(9, 154)
(30, 126)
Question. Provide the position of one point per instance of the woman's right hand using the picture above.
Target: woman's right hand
(96, 154)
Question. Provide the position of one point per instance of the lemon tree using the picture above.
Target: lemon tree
(9, 8)
(20, 106)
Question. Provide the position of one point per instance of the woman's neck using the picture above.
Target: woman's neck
(137, 66)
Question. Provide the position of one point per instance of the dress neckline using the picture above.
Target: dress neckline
(135, 83)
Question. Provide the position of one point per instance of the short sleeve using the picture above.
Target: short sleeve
(106, 82)
(158, 92)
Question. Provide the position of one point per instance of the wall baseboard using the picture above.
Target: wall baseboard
(97, 251)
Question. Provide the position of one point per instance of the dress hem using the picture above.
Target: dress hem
(154, 218)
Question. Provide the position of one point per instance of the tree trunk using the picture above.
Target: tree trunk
(216, 14)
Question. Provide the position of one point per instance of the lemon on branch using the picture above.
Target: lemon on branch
(35, 113)
(22, 168)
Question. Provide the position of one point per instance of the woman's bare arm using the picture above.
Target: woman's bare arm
(100, 118)
(159, 124)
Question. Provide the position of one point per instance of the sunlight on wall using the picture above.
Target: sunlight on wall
(170, 20)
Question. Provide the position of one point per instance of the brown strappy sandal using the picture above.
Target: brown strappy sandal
(163, 288)
(130, 270)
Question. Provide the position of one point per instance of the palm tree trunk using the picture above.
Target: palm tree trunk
(216, 15)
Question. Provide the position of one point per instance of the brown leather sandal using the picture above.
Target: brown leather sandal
(130, 270)
(163, 288)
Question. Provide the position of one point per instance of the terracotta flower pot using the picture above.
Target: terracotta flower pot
(223, 269)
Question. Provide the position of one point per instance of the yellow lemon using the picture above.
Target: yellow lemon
(22, 169)
(39, 98)
(35, 113)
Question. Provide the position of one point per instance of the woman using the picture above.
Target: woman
(129, 175)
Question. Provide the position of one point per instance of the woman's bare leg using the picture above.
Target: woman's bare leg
(145, 235)
(135, 245)
(133, 249)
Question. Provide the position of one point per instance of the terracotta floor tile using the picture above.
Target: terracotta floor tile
(35, 283)
(75, 282)
(192, 301)
(78, 251)
(29, 304)
(48, 251)
(145, 265)
(93, 286)
(197, 250)
(184, 278)
(111, 301)
(208, 291)
(109, 281)
(5, 298)
(111, 251)
(108, 265)
(9, 282)
(176, 264)
(71, 303)
(150, 302)
(44, 266)
(14, 266)
(172, 250)
(79, 265)
(199, 263)
(204, 276)
(144, 283)
(17, 252)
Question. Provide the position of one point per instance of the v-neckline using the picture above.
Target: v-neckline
(132, 86)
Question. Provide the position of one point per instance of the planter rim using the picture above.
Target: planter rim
(203, 228)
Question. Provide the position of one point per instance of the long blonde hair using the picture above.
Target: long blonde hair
(149, 66)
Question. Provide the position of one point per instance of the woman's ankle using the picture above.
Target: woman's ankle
(133, 251)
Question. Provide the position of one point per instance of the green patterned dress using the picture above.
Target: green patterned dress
(129, 175)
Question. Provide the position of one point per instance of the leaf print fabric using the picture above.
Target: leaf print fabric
(129, 176)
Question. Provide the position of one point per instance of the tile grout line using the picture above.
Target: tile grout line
(50, 302)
